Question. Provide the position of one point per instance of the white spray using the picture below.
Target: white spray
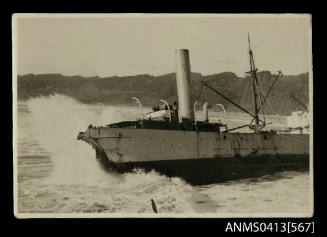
(56, 121)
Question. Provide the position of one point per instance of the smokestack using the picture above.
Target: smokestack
(183, 79)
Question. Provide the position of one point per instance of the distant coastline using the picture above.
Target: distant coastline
(150, 89)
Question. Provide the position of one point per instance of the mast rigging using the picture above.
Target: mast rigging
(257, 92)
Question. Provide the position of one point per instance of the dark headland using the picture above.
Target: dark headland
(150, 89)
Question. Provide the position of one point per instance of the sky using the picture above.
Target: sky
(122, 45)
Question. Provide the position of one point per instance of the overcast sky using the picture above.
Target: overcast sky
(110, 45)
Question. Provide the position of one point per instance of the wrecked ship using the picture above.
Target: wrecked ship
(172, 142)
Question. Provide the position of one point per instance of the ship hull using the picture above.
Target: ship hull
(213, 170)
(199, 157)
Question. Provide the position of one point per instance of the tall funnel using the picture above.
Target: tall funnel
(183, 79)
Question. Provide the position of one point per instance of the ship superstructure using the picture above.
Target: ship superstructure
(171, 141)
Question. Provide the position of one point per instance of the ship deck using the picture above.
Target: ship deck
(167, 125)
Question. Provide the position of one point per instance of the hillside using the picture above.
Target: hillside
(150, 89)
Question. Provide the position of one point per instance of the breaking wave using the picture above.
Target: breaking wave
(57, 119)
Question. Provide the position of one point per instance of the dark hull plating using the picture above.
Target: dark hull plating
(213, 170)
(198, 157)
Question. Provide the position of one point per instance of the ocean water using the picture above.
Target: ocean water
(56, 173)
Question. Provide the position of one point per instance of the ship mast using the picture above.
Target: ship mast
(253, 72)
(258, 95)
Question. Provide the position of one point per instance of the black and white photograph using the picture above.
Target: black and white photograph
(162, 115)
